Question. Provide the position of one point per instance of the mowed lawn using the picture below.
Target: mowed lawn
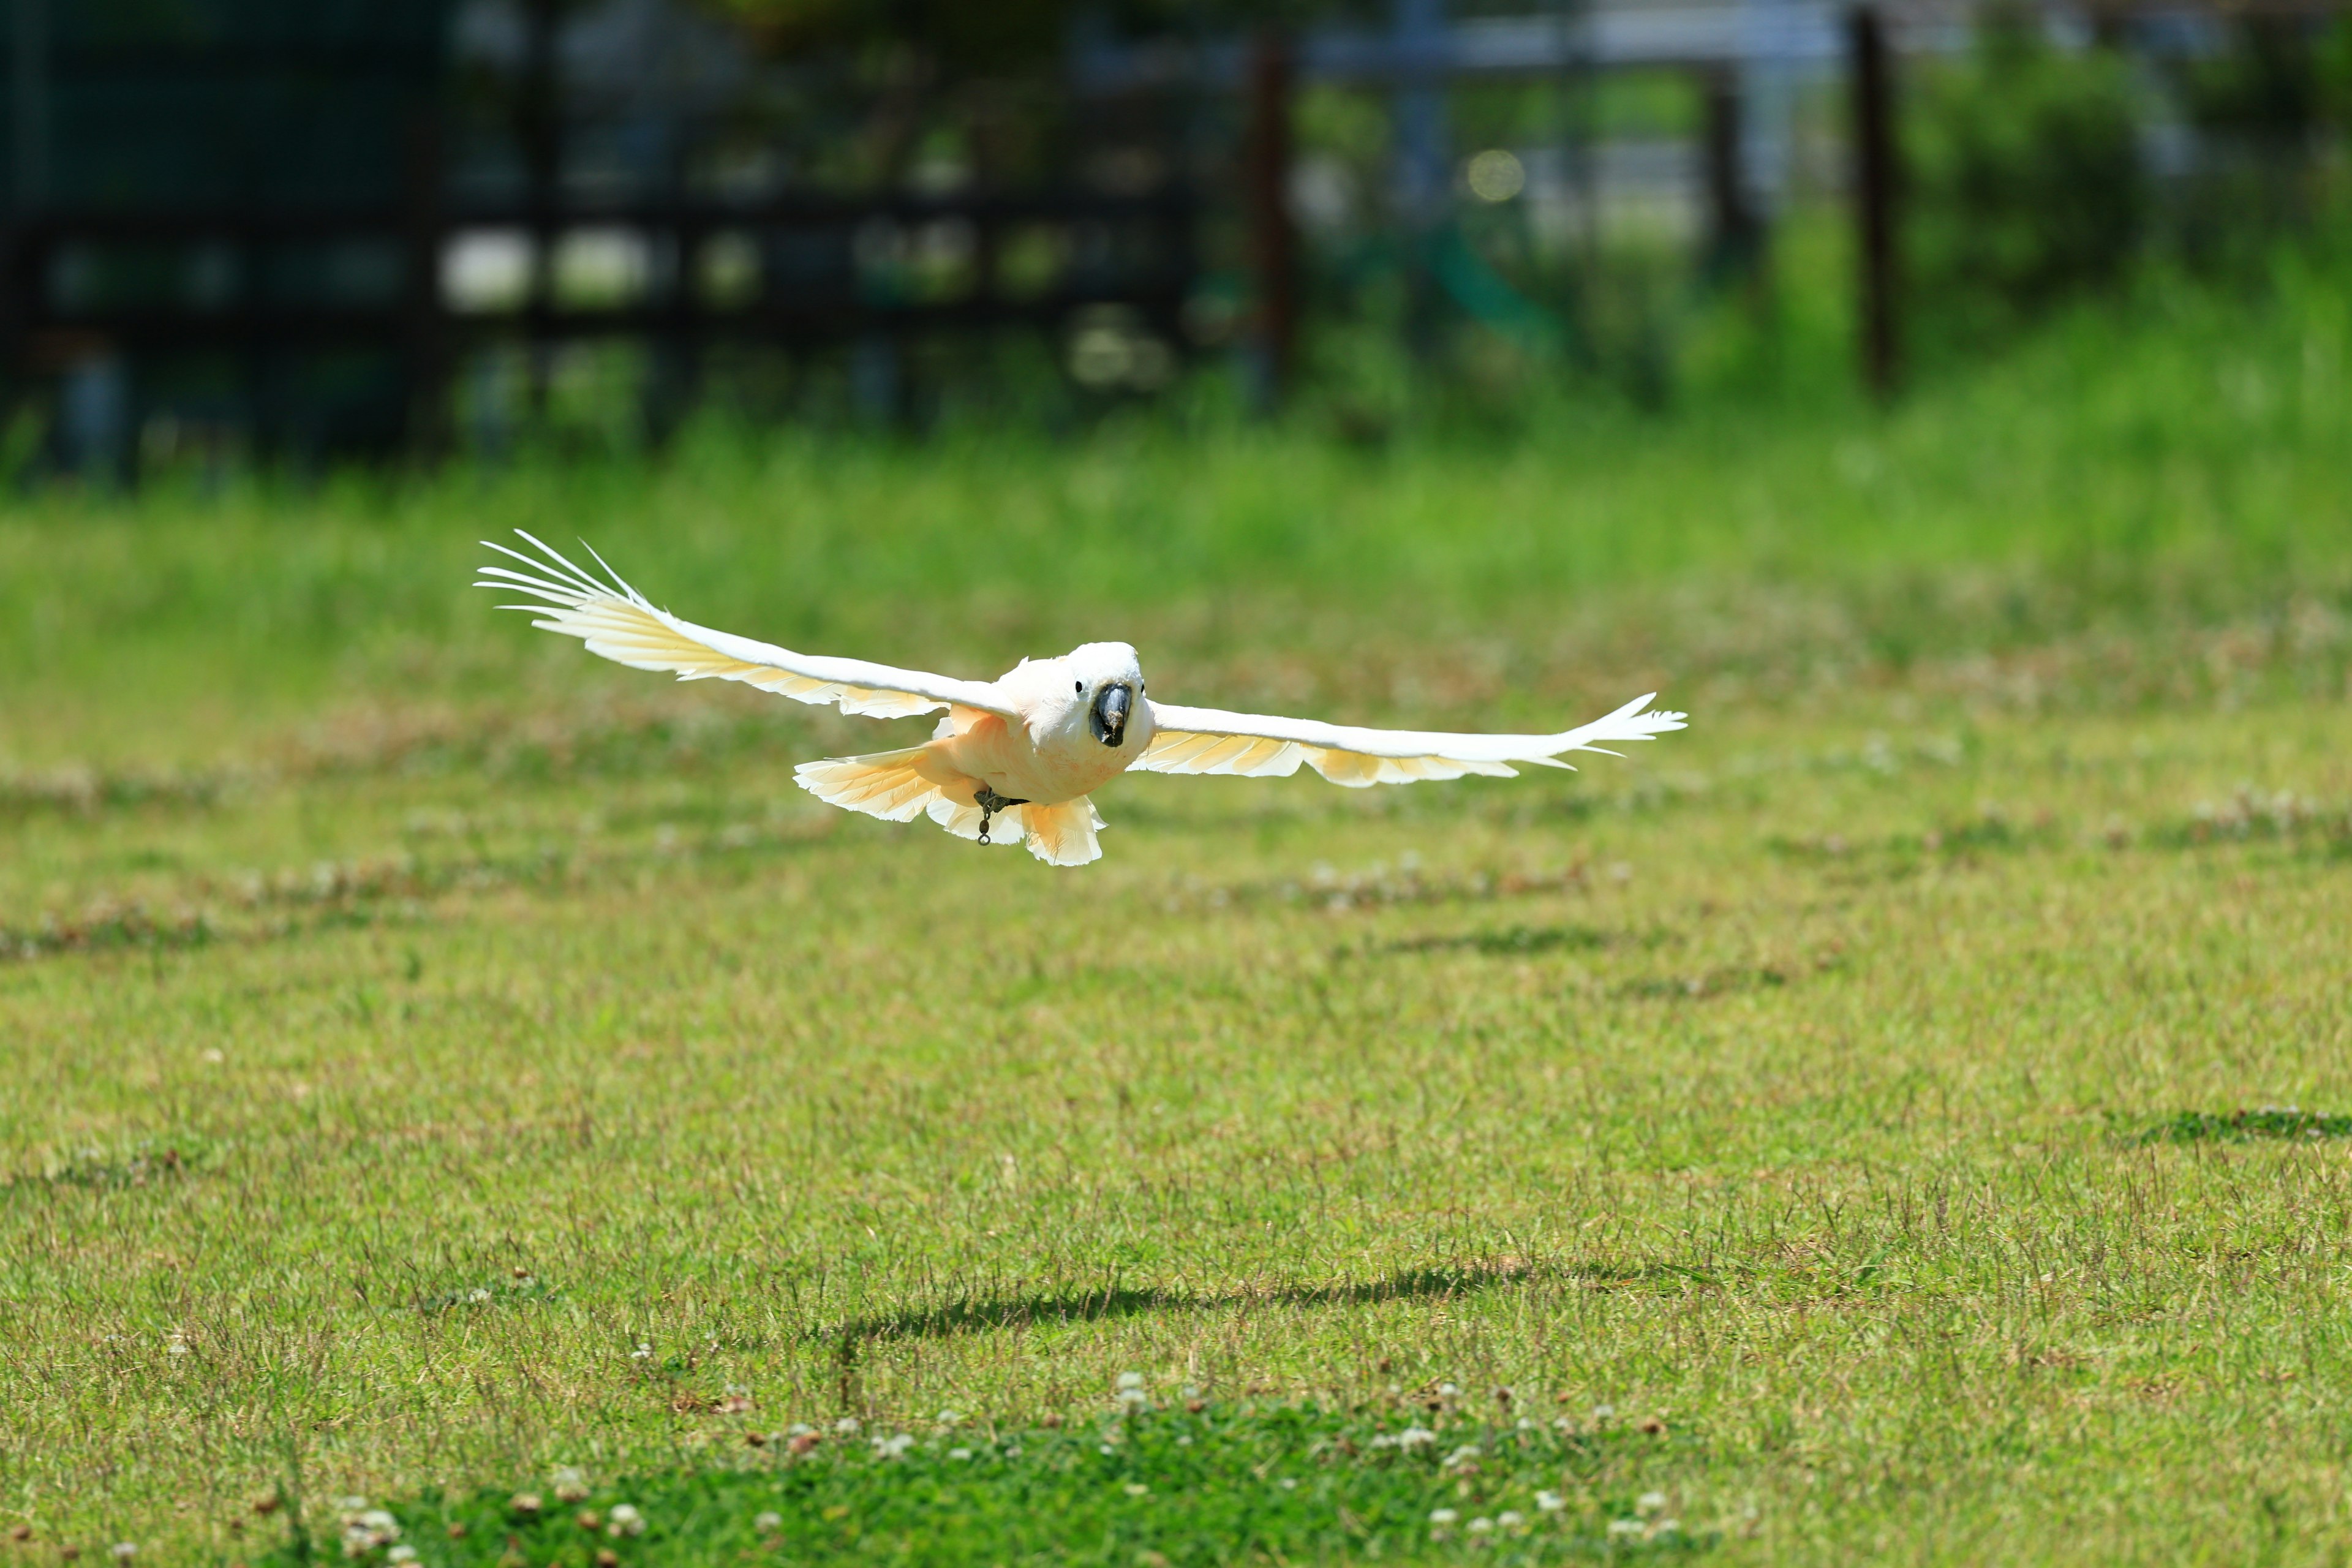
(432, 1060)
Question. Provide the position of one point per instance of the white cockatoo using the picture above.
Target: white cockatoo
(1017, 759)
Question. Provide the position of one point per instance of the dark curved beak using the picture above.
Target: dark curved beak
(1109, 718)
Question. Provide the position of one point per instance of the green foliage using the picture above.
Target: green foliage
(2277, 82)
(1209, 1486)
(2025, 167)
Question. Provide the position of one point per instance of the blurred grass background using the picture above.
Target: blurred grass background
(2174, 460)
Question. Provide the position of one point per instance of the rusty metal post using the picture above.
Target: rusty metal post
(1273, 233)
(1877, 181)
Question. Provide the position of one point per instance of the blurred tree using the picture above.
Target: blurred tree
(2026, 175)
(2269, 87)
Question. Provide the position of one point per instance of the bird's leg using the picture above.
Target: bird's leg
(989, 803)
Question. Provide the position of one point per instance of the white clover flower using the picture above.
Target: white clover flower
(376, 1522)
(949, 1417)
(124, 1551)
(1128, 1380)
(1183, 1439)
(1415, 1437)
(1448, 1391)
(846, 1426)
(891, 1448)
(959, 1453)
(642, 1352)
(571, 1485)
(1666, 1527)
(1465, 1455)
(1481, 1526)
(176, 1345)
(769, 1521)
(1649, 1502)
(1289, 1484)
(799, 1429)
(1135, 1489)
(625, 1519)
(1384, 1440)
(1510, 1519)
(401, 1554)
(1619, 1529)
(1604, 1413)
(1441, 1517)
(1550, 1502)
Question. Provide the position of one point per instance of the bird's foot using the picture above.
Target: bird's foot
(989, 803)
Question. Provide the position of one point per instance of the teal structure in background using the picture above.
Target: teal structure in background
(177, 171)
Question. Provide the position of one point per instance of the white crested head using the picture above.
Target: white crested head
(1097, 664)
(1094, 693)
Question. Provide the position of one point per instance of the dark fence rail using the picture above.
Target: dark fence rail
(253, 289)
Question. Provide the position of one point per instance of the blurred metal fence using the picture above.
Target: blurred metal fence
(280, 218)
(301, 220)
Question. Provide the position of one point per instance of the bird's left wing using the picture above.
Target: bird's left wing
(1208, 741)
(617, 623)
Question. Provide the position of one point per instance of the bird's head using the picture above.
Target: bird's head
(1107, 679)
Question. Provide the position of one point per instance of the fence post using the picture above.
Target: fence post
(427, 349)
(1274, 234)
(539, 127)
(1876, 180)
(1732, 220)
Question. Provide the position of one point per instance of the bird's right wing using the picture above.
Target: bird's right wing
(1210, 741)
(616, 623)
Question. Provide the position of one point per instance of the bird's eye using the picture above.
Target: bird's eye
(1079, 687)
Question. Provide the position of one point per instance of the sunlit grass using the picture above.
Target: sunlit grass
(435, 1060)
(1137, 1485)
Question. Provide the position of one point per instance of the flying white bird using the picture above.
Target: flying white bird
(1018, 758)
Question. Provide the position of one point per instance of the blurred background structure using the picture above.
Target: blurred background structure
(304, 229)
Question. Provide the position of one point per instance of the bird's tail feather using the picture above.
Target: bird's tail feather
(1063, 835)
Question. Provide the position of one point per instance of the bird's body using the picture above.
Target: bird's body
(1018, 759)
(1051, 755)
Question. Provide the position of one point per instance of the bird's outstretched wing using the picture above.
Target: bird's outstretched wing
(1207, 741)
(616, 623)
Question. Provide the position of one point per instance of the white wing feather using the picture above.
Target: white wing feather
(1256, 745)
(615, 621)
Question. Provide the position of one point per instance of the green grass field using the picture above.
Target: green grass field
(436, 1061)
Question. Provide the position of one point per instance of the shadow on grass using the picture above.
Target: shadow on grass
(97, 1171)
(1511, 942)
(982, 1314)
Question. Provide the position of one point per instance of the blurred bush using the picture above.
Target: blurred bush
(2029, 184)
(2268, 109)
